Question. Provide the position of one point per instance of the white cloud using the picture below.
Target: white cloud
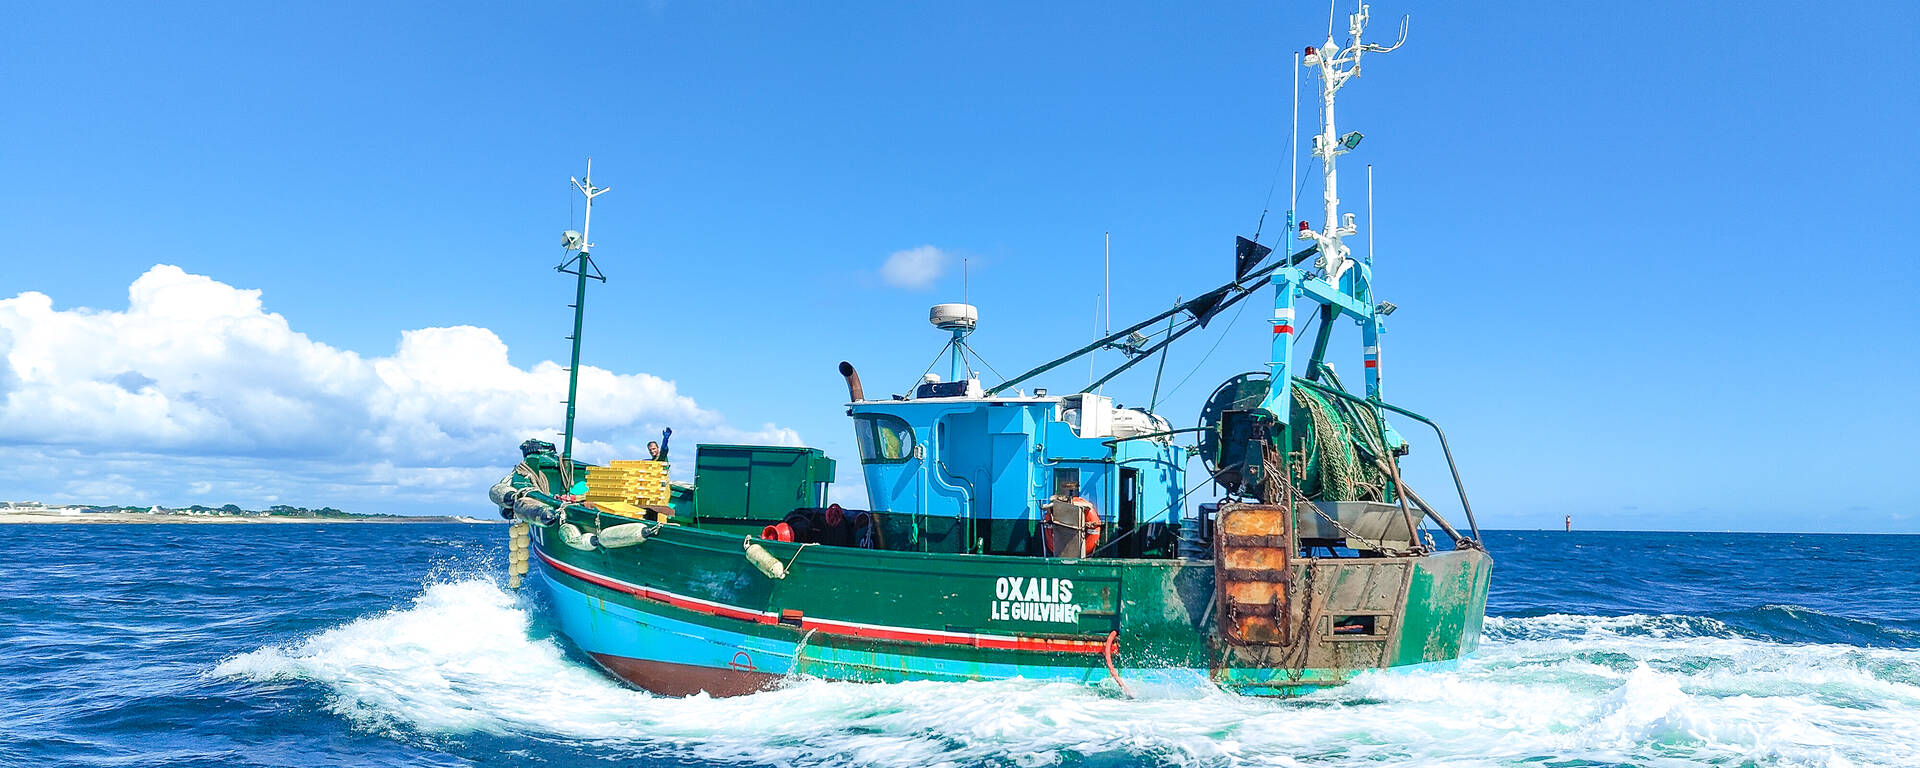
(914, 268)
(198, 369)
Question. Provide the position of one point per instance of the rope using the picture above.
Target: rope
(983, 361)
(538, 480)
(1292, 129)
(1224, 332)
(796, 555)
(936, 361)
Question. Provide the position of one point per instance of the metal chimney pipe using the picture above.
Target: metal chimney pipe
(853, 381)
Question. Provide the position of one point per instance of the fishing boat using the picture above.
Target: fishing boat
(1017, 533)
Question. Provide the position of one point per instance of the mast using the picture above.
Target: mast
(1336, 67)
(582, 267)
(1351, 297)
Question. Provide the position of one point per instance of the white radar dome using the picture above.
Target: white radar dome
(952, 317)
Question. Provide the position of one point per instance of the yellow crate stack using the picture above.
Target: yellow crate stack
(633, 482)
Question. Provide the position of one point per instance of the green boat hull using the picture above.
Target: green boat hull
(685, 611)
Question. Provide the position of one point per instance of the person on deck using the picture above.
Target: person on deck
(658, 451)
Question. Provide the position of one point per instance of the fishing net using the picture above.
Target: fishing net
(1337, 448)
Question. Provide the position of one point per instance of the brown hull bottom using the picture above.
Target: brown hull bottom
(670, 679)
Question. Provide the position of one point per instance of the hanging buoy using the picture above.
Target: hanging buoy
(578, 539)
(623, 535)
(764, 560)
(518, 535)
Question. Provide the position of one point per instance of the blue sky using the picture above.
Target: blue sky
(1652, 260)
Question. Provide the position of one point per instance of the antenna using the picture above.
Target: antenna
(581, 266)
(1096, 352)
(1370, 213)
(1336, 68)
(1106, 267)
(1100, 300)
(1293, 151)
(1106, 289)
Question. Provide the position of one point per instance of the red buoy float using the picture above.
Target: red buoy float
(777, 532)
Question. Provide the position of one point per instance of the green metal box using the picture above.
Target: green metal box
(747, 487)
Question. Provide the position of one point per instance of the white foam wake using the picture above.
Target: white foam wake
(1621, 690)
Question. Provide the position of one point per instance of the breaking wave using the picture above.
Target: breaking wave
(470, 667)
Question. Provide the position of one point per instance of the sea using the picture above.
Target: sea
(399, 645)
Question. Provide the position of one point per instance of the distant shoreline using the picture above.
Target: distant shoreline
(140, 518)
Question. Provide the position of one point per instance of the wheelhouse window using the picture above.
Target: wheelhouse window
(883, 439)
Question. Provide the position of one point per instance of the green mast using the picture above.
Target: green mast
(580, 265)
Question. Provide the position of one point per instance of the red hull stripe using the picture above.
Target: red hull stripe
(1283, 329)
(829, 626)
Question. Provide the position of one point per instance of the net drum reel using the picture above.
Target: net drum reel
(1332, 455)
(1229, 447)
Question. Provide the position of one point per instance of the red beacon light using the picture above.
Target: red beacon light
(1304, 226)
(1310, 50)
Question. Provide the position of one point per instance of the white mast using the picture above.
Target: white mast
(1293, 151)
(1336, 67)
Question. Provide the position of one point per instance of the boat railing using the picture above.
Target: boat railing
(1417, 500)
(1452, 467)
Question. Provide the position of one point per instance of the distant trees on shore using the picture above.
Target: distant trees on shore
(277, 510)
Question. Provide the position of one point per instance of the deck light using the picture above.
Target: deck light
(570, 240)
(1384, 308)
(1352, 139)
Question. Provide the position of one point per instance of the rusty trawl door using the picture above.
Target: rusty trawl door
(1252, 549)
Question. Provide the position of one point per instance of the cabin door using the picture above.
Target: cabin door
(1129, 514)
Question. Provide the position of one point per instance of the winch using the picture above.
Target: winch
(1336, 447)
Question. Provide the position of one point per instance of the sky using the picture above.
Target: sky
(1654, 261)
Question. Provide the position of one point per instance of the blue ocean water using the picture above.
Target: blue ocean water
(378, 645)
